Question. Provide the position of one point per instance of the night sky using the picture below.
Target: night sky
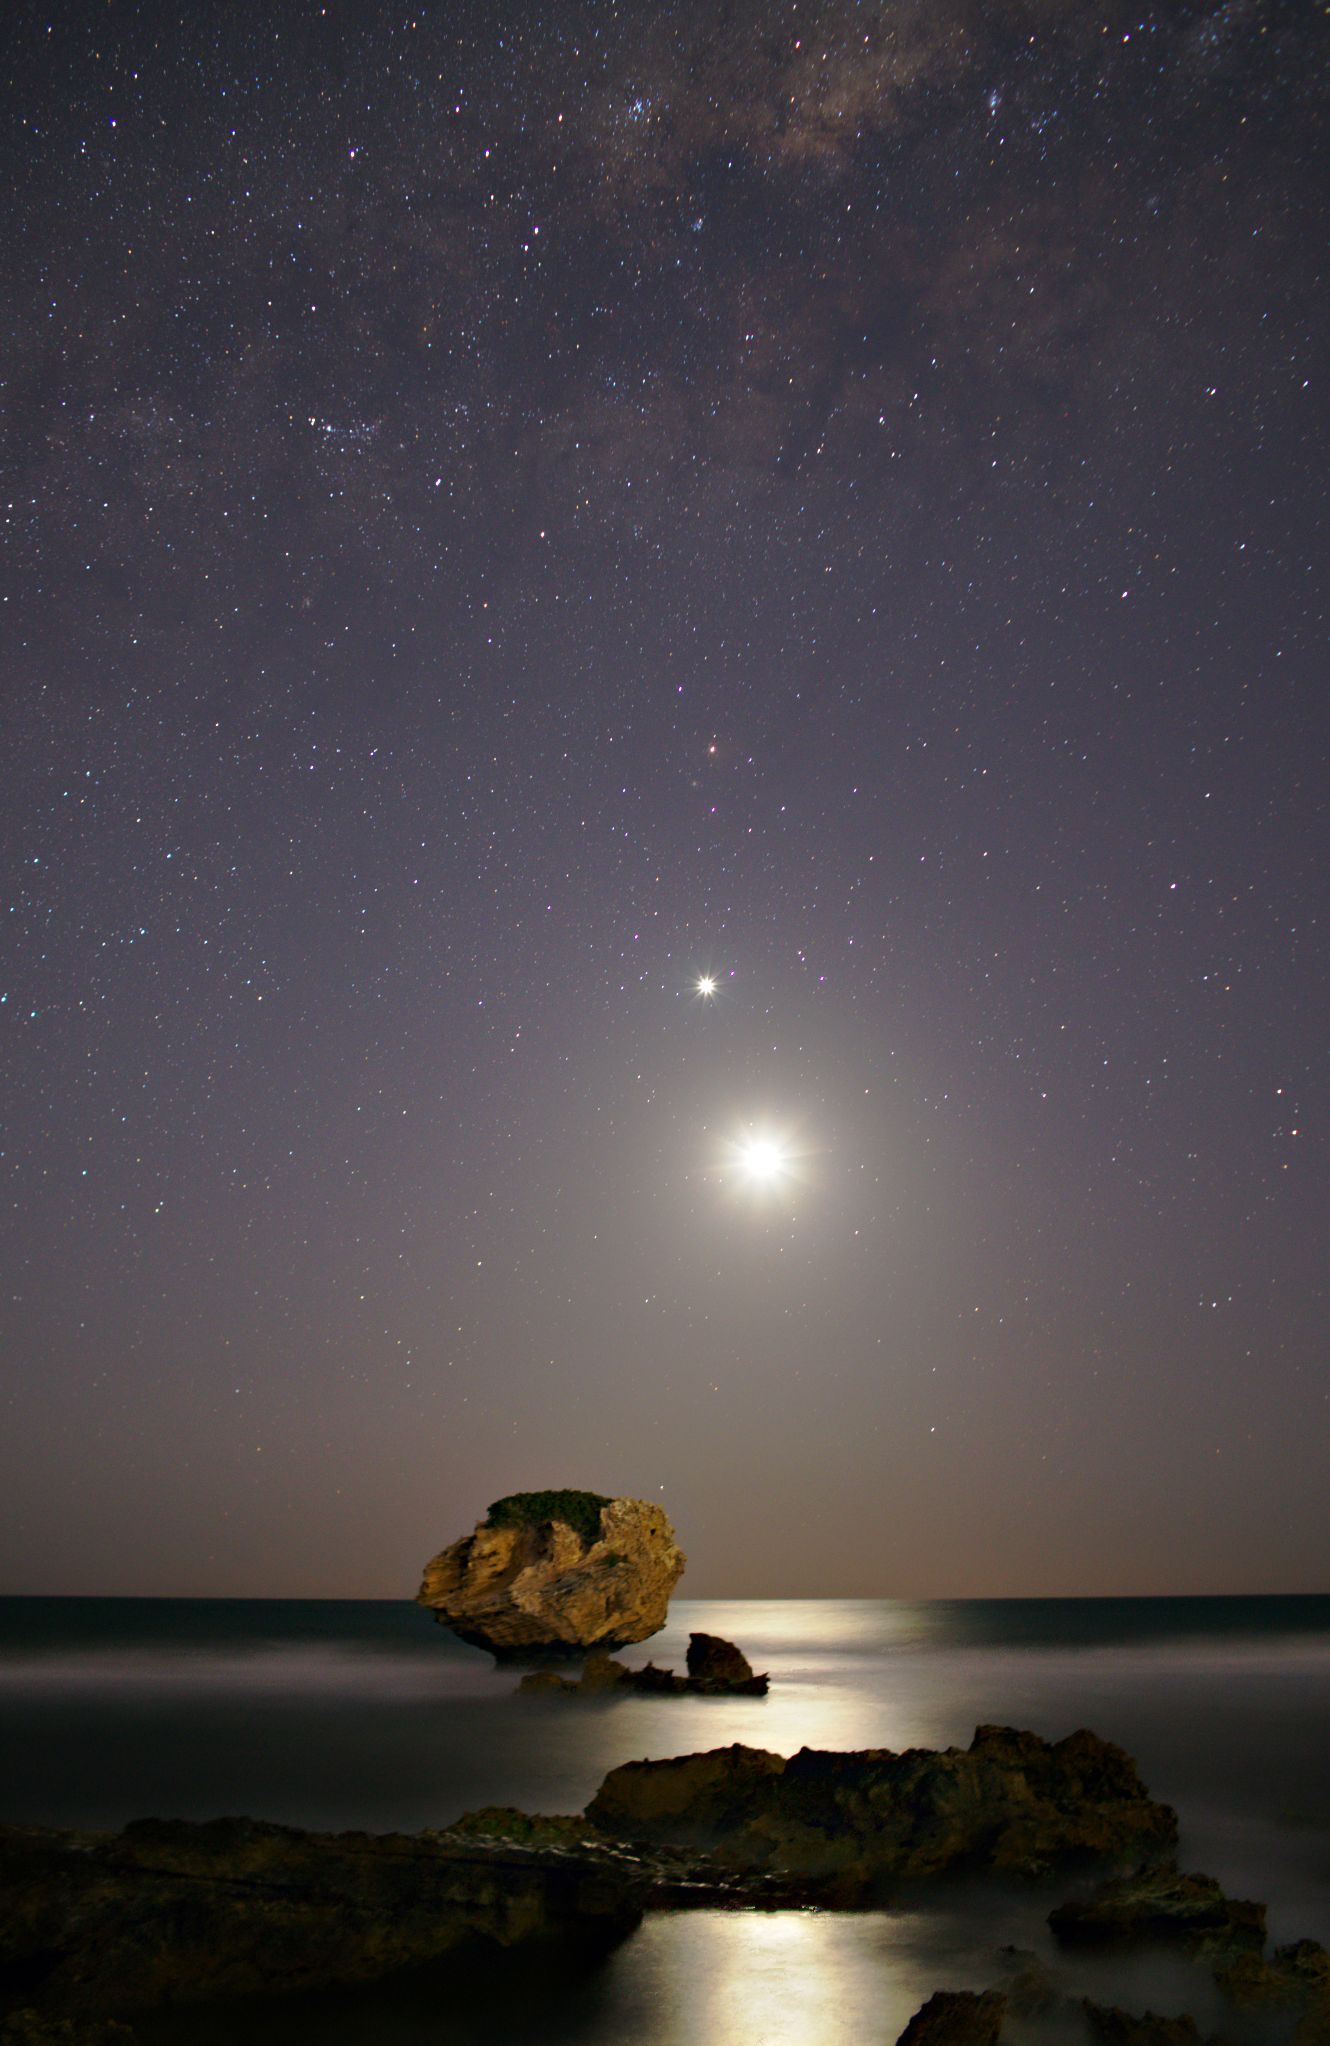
(511, 510)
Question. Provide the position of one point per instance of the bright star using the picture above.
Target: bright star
(706, 986)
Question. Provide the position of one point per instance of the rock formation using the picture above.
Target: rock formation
(96, 1927)
(557, 1572)
(1161, 1907)
(172, 1912)
(1293, 1983)
(716, 1669)
(1011, 1804)
(957, 2017)
(961, 2017)
(1285, 1996)
(1192, 1915)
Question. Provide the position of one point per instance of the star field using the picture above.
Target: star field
(587, 586)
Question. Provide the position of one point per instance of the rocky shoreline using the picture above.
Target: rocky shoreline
(98, 1931)
(169, 1912)
(99, 1927)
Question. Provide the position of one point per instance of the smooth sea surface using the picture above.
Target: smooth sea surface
(350, 1714)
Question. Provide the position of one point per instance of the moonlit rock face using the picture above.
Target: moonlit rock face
(543, 1586)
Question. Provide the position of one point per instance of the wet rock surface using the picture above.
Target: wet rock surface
(716, 1669)
(557, 1573)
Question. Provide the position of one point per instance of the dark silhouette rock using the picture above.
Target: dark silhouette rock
(104, 1925)
(1030, 1986)
(1110, 2026)
(714, 1661)
(1188, 1914)
(1032, 1994)
(729, 1673)
(31, 2028)
(1011, 1803)
(557, 1572)
(1161, 1907)
(602, 1673)
(688, 1801)
(957, 2017)
(536, 1681)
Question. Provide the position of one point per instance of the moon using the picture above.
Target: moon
(762, 1159)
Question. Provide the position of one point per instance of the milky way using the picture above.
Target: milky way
(512, 514)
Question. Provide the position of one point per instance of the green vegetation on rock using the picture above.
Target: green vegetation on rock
(578, 1510)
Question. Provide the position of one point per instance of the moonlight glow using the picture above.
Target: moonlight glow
(762, 1160)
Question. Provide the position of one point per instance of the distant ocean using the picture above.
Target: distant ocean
(351, 1714)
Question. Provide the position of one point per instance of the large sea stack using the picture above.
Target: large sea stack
(557, 1572)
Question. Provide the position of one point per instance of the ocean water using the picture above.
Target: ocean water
(341, 1714)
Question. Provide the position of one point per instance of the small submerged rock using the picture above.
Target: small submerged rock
(1162, 1907)
(1039, 2005)
(1293, 1982)
(1225, 1936)
(716, 1669)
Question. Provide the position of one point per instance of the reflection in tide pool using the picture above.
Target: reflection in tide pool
(792, 1978)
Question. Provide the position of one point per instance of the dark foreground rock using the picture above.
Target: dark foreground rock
(1109, 2025)
(957, 2017)
(1032, 1992)
(1010, 1804)
(966, 2018)
(1162, 1907)
(716, 1669)
(32, 2028)
(1191, 1915)
(104, 1925)
(1284, 1997)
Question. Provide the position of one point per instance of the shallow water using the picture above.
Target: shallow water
(335, 1715)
